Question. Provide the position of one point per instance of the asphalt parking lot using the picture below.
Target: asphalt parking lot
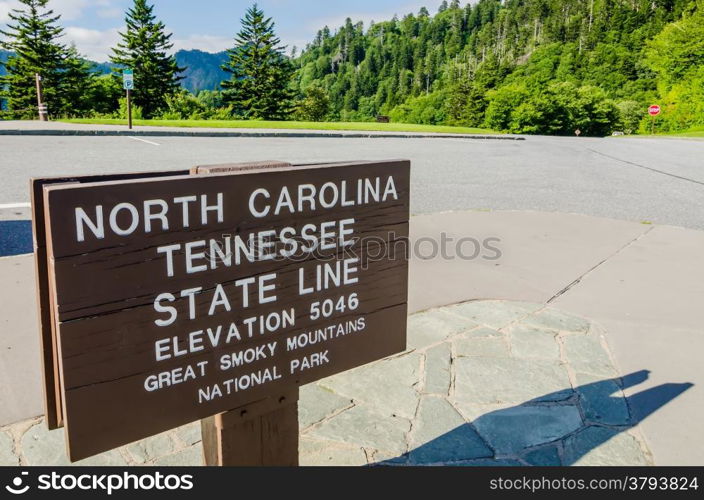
(645, 180)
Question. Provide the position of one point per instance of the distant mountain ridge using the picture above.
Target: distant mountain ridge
(4, 55)
(203, 69)
(100, 67)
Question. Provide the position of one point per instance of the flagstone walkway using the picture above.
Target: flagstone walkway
(482, 383)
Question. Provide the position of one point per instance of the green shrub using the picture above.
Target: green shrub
(224, 113)
(630, 115)
(184, 106)
(136, 110)
(425, 110)
(558, 109)
(315, 105)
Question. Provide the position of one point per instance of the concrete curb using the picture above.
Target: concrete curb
(191, 133)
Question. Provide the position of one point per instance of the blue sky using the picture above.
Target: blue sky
(211, 24)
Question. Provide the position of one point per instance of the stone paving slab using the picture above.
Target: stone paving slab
(438, 369)
(440, 434)
(7, 454)
(483, 383)
(649, 298)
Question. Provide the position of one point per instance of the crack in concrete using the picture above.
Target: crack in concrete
(661, 172)
(598, 265)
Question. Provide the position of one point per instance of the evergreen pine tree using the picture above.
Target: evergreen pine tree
(144, 49)
(261, 73)
(33, 38)
(78, 84)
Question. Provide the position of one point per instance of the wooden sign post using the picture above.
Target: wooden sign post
(171, 297)
(41, 105)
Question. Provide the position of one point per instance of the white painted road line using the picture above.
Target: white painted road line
(143, 140)
(15, 205)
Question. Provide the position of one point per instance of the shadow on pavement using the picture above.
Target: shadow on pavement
(15, 237)
(514, 431)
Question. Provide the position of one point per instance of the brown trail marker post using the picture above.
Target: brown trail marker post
(41, 105)
(168, 298)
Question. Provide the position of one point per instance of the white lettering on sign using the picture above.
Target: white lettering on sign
(212, 337)
(256, 247)
(341, 273)
(308, 197)
(237, 384)
(134, 219)
(247, 356)
(308, 362)
(321, 335)
(97, 227)
(254, 340)
(174, 377)
(160, 215)
(184, 201)
(221, 297)
(129, 212)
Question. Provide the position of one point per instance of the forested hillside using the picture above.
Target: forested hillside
(531, 66)
(522, 66)
(203, 69)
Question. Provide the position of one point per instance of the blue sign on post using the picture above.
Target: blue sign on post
(128, 79)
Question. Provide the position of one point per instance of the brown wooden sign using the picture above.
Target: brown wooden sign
(175, 298)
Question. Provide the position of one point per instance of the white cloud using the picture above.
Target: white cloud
(92, 44)
(206, 43)
(74, 9)
(5, 7)
(69, 9)
(111, 13)
(95, 45)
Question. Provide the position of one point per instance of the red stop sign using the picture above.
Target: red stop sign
(654, 110)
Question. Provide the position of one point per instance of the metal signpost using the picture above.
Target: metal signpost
(213, 295)
(128, 85)
(653, 111)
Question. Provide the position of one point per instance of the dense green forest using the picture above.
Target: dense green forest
(522, 66)
(530, 66)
